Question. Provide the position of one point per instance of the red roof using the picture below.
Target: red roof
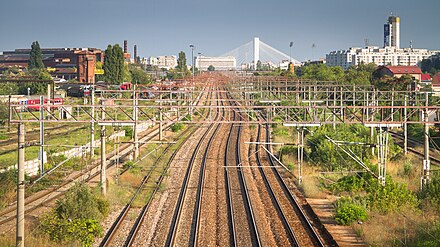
(404, 69)
(426, 77)
(436, 80)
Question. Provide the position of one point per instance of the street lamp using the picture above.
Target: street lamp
(192, 62)
(192, 59)
(290, 56)
(200, 59)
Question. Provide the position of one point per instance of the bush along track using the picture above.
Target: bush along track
(362, 201)
(76, 218)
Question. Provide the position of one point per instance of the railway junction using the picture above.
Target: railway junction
(225, 184)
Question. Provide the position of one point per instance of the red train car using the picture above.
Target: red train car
(33, 103)
(125, 86)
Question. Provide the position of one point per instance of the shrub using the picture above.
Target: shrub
(430, 195)
(348, 212)
(390, 197)
(382, 199)
(326, 154)
(76, 217)
(128, 131)
(176, 127)
(353, 183)
(81, 231)
(187, 118)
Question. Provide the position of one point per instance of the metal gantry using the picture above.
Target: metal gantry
(281, 100)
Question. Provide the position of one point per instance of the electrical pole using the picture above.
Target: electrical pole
(426, 161)
(300, 154)
(135, 128)
(20, 187)
(405, 126)
(160, 119)
(92, 125)
(103, 178)
(42, 135)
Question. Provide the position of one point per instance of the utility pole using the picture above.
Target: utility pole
(192, 83)
(405, 126)
(103, 178)
(300, 154)
(92, 125)
(426, 161)
(42, 135)
(135, 128)
(20, 187)
(160, 119)
(9, 113)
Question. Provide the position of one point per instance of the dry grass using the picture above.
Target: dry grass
(32, 239)
(394, 228)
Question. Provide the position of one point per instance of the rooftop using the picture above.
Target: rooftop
(404, 69)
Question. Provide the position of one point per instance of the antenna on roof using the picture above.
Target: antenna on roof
(410, 44)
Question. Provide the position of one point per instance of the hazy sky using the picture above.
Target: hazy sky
(164, 27)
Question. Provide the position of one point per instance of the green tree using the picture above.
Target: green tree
(211, 68)
(126, 75)
(181, 62)
(387, 83)
(431, 65)
(361, 74)
(322, 72)
(138, 75)
(114, 64)
(36, 58)
(259, 67)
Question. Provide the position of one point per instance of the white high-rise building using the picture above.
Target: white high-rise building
(390, 54)
(391, 32)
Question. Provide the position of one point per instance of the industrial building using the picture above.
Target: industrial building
(66, 63)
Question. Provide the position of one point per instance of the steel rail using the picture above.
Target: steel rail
(248, 206)
(195, 227)
(276, 203)
(115, 226)
(139, 220)
(171, 237)
(123, 153)
(295, 204)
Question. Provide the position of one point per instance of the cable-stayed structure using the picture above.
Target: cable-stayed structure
(256, 50)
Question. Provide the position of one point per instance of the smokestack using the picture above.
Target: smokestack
(125, 46)
(135, 53)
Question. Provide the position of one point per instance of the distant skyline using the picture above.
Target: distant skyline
(165, 27)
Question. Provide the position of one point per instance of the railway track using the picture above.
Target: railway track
(288, 228)
(134, 229)
(181, 222)
(34, 202)
(115, 226)
(291, 211)
(434, 160)
(242, 225)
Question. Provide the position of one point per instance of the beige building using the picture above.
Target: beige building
(219, 63)
(163, 62)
